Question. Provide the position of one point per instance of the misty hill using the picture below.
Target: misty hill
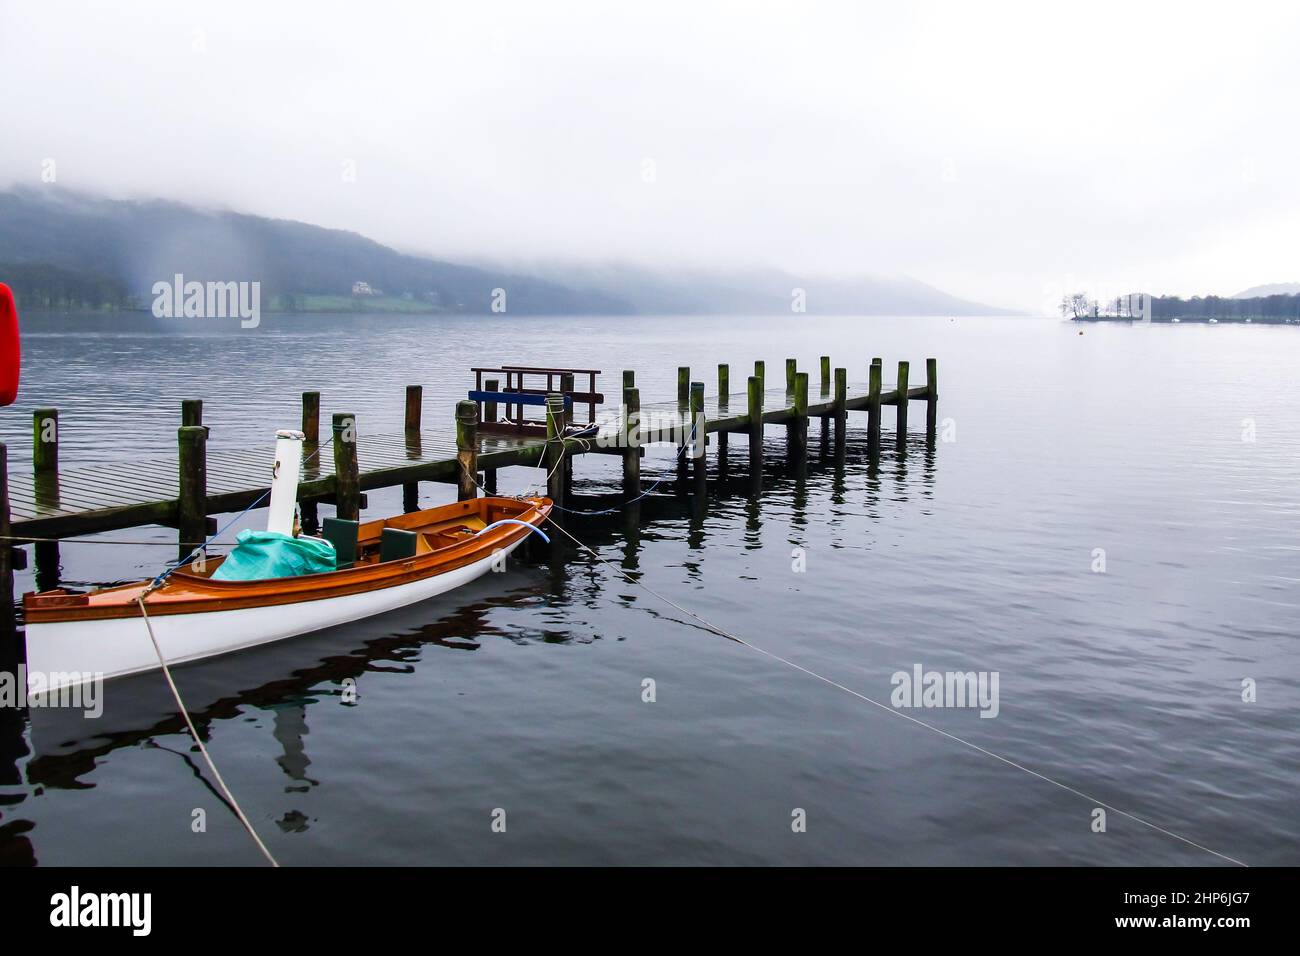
(64, 249)
(759, 292)
(1274, 288)
(67, 236)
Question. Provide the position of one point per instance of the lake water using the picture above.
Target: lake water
(1172, 449)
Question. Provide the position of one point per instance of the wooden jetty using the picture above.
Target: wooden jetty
(491, 431)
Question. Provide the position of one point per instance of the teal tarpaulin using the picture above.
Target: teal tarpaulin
(269, 554)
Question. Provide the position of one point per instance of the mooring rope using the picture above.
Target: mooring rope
(82, 539)
(154, 585)
(681, 451)
(824, 679)
(708, 625)
(176, 694)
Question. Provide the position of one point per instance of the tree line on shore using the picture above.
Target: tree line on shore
(44, 286)
(1271, 308)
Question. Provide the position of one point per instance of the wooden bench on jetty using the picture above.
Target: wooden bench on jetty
(519, 392)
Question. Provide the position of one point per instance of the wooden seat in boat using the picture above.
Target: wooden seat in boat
(395, 544)
(343, 535)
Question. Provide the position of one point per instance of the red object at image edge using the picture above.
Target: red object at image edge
(10, 353)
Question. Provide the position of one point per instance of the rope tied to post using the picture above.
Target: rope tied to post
(687, 441)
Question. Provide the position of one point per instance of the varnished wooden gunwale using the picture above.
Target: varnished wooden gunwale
(186, 593)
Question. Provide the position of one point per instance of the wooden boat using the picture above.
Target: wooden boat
(71, 637)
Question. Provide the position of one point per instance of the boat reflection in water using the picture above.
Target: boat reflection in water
(67, 744)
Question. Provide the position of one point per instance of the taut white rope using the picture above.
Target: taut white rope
(167, 672)
(897, 713)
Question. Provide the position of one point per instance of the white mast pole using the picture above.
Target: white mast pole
(284, 480)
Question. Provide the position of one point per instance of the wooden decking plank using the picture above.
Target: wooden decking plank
(156, 486)
(29, 511)
(149, 469)
(72, 501)
(167, 479)
(71, 486)
(139, 483)
(440, 449)
(240, 471)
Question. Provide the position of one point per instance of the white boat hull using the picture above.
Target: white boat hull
(64, 654)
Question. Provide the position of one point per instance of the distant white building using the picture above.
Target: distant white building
(363, 288)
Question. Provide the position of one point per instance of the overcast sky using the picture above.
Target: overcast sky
(998, 151)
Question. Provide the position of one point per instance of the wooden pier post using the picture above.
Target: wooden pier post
(755, 413)
(700, 440)
(192, 500)
(490, 415)
(45, 483)
(873, 410)
(347, 473)
(466, 450)
(45, 441)
(192, 411)
(570, 412)
(931, 397)
(414, 407)
(8, 616)
(631, 440)
(311, 419)
(552, 457)
(760, 372)
(901, 408)
(797, 433)
(791, 370)
(724, 389)
(824, 392)
(310, 458)
(45, 486)
(629, 384)
(840, 403)
(683, 385)
(684, 433)
(411, 433)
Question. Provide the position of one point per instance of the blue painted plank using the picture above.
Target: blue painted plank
(514, 398)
